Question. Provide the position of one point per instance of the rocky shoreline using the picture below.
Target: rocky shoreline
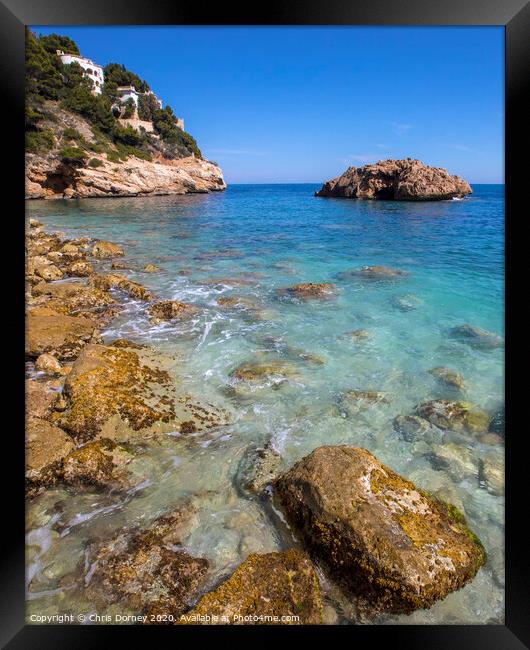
(49, 177)
(92, 406)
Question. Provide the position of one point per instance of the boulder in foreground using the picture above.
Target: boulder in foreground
(394, 546)
(262, 590)
(396, 180)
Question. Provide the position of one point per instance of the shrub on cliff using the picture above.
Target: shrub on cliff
(164, 124)
(95, 162)
(72, 155)
(39, 141)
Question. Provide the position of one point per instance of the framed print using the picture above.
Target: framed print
(267, 271)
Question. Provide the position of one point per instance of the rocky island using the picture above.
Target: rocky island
(396, 180)
(94, 131)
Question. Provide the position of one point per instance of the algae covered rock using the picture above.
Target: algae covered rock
(48, 364)
(412, 427)
(100, 463)
(449, 377)
(40, 399)
(167, 310)
(143, 570)
(262, 590)
(455, 416)
(106, 249)
(46, 447)
(377, 273)
(258, 467)
(109, 385)
(60, 334)
(121, 282)
(310, 290)
(394, 546)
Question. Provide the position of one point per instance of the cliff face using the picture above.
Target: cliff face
(48, 177)
(399, 180)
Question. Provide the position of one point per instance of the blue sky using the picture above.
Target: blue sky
(282, 104)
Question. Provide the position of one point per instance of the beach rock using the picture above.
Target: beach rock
(448, 377)
(412, 428)
(61, 335)
(106, 249)
(33, 223)
(476, 337)
(46, 446)
(108, 386)
(311, 290)
(48, 272)
(100, 463)
(151, 268)
(267, 585)
(40, 399)
(143, 570)
(171, 310)
(455, 416)
(397, 180)
(390, 544)
(257, 469)
(48, 363)
(79, 269)
(75, 299)
(126, 343)
(121, 282)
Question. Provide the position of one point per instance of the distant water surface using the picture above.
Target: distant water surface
(270, 237)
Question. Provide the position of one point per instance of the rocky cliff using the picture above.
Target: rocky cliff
(399, 180)
(49, 177)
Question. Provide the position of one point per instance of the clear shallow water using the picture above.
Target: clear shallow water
(273, 236)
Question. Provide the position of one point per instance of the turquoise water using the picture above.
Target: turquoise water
(273, 236)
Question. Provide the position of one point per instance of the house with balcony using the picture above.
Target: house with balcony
(91, 70)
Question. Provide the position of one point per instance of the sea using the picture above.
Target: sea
(251, 242)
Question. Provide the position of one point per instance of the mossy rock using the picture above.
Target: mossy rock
(390, 544)
(263, 589)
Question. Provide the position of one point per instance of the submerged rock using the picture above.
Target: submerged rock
(271, 585)
(171, 310)
(358, 335)
(457, 459)
(412, 428)
(497, 423)
(106, 249)
(257, 469)
(397, 180)
(262, 370)
(376, 273)
(143, 570)
(405, 303)
(310, 290)
(61, 335)
(151, 268)
(492, 473)
(448, 377)
(455, 416)
(476, 337)
(389, 543)
(359, 400)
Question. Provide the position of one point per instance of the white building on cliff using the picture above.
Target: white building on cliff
(93, 71)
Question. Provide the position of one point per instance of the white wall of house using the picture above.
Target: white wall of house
(92, 70)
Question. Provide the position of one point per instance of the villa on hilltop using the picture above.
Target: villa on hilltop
(95, 74)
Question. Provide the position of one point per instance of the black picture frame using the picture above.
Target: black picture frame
(514, 15)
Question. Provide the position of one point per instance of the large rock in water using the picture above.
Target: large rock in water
(394, 546)
(262, 590)
(399, 180)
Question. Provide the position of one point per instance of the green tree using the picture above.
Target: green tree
(55, 42)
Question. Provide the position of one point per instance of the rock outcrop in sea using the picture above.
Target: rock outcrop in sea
(396, 180)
